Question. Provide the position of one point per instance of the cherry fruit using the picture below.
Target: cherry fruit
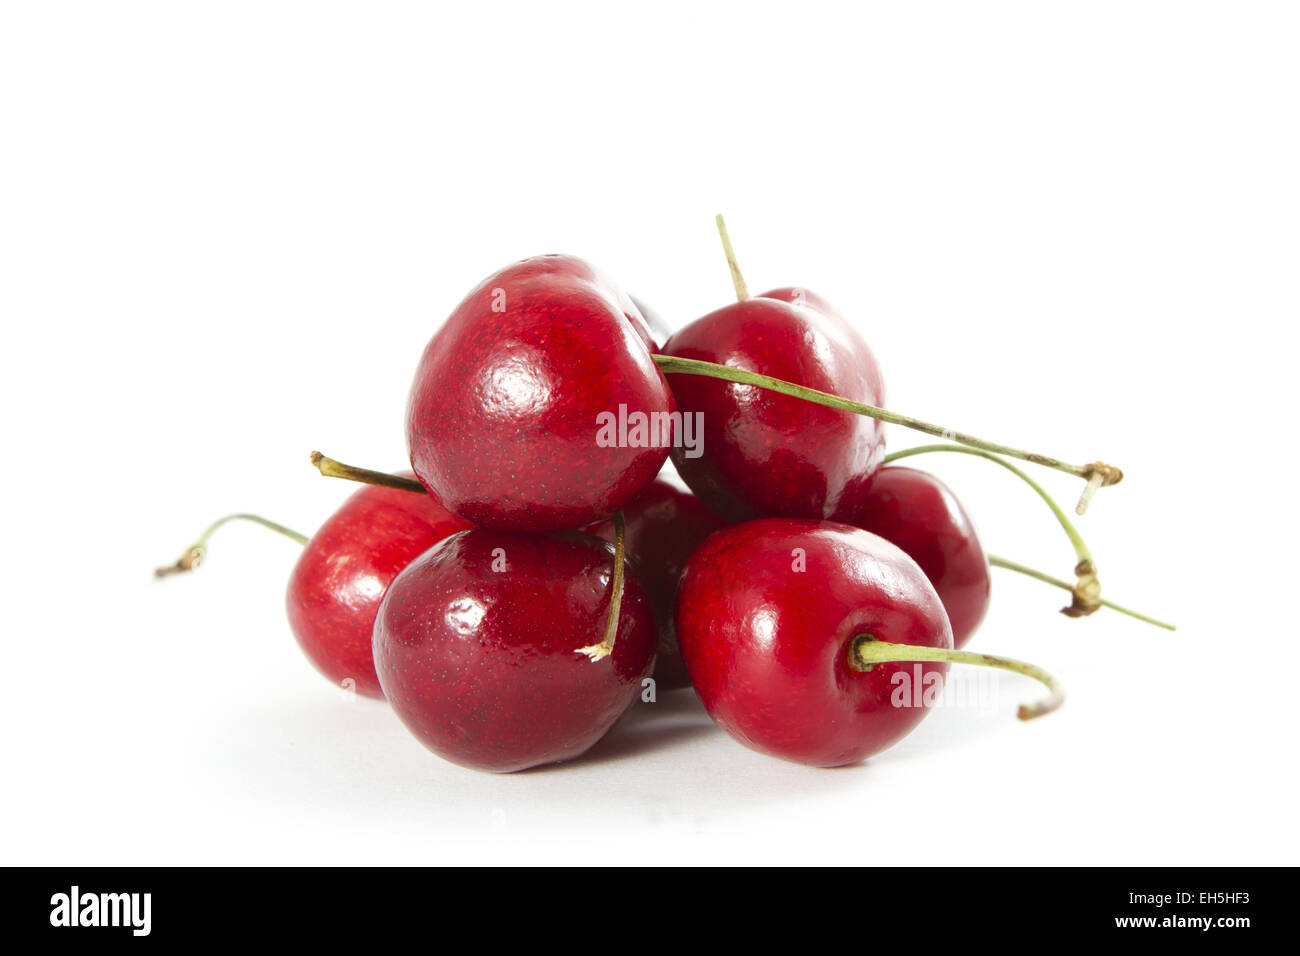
(485, 644)
(344, 570)
(771, 455)
(762, 436)
(767, 613)
(503, 420)
(792, 631)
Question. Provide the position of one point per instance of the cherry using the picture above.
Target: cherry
(344, 570)
(919, 513)
(504, 414)
(768, 454)
(791, 630)
(484, 647)
(347, 567)
(664, 525)
(761, 443)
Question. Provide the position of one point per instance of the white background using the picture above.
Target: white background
(227, 231)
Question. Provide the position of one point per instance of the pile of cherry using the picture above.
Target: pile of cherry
(534, 576)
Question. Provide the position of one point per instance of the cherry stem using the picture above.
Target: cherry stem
(193, 557)
(336, 469)
(673, 364)
(606, 647)
(865, 652)
(737, 280)
(999, 562)
(1087, 589)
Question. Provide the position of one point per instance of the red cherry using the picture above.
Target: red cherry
(503, 418)
(792, 631)
(762, 437)
(345, 569)
(479, 645)
(340, 578)
(664, 525)
(919, 513)
(767, 615)
(766, 454)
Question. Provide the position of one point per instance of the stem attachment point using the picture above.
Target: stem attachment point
(1099, 475)
(188, 561)
(1086, 594)
(1000, 562)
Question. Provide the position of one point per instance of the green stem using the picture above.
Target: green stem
(673, 364)
(193, 557)
(737, 280)
(336, 469)
(865, 652)
(606, 647)
(1009, 565)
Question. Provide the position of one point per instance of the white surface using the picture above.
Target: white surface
(228, 230)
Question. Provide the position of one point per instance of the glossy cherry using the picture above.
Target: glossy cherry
(767, 613)
(479, 647)
(346, 568)
(502, 420)
(794, 631)
(919, 513)
(771, 455)
(664, 526)
(776, 457)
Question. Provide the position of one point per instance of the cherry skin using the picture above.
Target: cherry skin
(767, 615)
(920, 514)
(345, 569)
(664, 525)
(503, 416)
(476, 645)
(767, 454)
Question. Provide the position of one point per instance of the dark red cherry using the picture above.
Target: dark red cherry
(920, 514)
(767, 454)
(345, 569)
(768, 613)
(477, 647)
(663, 526)
(504, 417)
